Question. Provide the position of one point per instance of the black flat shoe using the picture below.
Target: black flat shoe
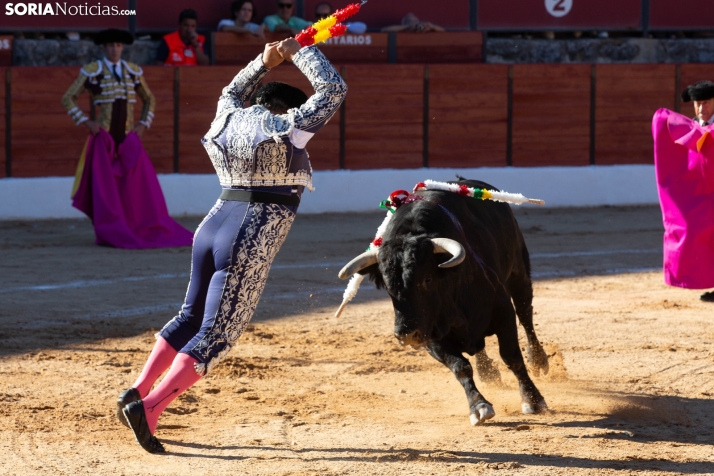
(126, 397)
(707, 297)
(135, 416)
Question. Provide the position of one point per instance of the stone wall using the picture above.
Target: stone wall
(498, 50)
(75, 53)
(626, 50)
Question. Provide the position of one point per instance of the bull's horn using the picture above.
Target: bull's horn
(453, 247)
(366, 259)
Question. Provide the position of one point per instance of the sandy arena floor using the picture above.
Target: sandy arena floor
(631, 386)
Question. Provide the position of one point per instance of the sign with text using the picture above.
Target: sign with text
(64, 15)
(559, 14)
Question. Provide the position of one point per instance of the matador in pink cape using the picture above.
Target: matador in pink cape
(684, 166)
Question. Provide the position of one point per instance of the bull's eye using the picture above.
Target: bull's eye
(427, 281)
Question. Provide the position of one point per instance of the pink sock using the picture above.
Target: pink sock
(160, 359)
(179, 379)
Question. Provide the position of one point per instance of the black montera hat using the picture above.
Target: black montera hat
(113, 35)
(701, 91)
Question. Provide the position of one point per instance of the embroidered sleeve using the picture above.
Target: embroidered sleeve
(69, 100)
(330, 91)
(243, 86)
(148, 101)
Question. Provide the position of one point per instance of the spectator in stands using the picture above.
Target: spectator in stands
(184, 47)
(412, 24)
(284, 21)
(242, 15)
(324, 10)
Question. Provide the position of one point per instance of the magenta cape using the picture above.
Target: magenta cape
(123, 198)
(684, 164)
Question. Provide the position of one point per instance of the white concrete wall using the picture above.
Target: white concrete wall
(356, 191)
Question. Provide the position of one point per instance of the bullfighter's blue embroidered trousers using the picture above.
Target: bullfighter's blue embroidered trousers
(233, 249)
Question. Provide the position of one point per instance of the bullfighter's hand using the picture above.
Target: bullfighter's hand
(139, 129)
(93, 126)
(271, 56)
(288, 48)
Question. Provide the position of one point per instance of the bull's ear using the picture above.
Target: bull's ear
(370, 270)
(373, 274)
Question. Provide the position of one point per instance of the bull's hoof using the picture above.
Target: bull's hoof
(484, 412)
(532, 408)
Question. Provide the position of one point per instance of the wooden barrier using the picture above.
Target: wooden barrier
(158, 141)
(627, 97)
(445, 47)
(200, 88)
(468, 115)
(551, 115)
(240, 48)
(384, 117)
(45, 141)
(395, 116)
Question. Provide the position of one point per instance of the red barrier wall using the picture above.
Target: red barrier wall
(158, 141)
(384, 115)
(45, 141)
(200, 89)
(468, 115)
(627, 97)
(551, 115)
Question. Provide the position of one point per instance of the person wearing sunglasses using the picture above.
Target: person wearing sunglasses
(284, 21)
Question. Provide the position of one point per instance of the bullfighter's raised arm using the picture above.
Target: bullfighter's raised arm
(237, 93)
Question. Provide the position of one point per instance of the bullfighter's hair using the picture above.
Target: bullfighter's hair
(279, 97)
(700, 91)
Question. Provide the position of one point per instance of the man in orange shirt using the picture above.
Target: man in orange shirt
(183, 47)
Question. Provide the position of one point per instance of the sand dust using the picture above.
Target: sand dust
(631, 381)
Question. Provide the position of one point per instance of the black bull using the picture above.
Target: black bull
(454, 268)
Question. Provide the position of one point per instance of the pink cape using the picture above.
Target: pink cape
(684, 165)
(123, 198)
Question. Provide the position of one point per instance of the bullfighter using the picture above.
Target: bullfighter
(260, 158)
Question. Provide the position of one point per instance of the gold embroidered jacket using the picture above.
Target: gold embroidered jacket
(114, 99)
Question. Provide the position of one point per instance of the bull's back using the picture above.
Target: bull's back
(493, 228)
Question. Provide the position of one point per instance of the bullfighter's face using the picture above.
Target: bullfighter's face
(704, 109)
